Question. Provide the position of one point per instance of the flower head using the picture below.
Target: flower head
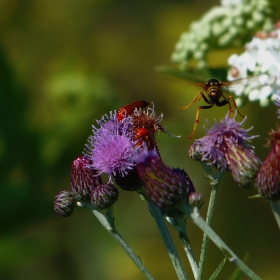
(83, 179)
(222, 26)
(165, 187)
(268, 177)
(146, 125)
(261, 56)
(104, 196)
(115, 144)
(225, 146)
(112, 148)
(64, 203)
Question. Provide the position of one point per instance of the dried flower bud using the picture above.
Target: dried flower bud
(164, 186)
(64, 203)
(83, 179)
(130, 181)
(268, 177)
(104, 196)
(146, 125)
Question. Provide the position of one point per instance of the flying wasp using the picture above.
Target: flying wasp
(214, 90)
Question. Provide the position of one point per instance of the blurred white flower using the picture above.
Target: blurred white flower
(262, 56)
(222, 26)
(231, 2)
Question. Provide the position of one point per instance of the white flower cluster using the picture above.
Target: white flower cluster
(220, 27)
(262, 56)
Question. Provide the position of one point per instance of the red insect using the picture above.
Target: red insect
(141, 134)
(129, 109)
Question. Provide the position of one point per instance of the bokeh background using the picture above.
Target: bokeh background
(65, 63)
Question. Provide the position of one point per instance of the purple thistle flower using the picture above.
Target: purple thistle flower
(83, 179)
(225, 146)
(64, 203)
(112, 149)
(268, 177)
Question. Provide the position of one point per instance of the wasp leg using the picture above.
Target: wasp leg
(197, 118)
(234, 103)
(227, 101)
(194, 101)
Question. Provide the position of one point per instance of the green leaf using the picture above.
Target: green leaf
(218, 270)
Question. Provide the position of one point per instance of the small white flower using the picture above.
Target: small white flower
(231, 2)
(262, 56)
(222, 26)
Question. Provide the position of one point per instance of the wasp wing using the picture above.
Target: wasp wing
(250, 80)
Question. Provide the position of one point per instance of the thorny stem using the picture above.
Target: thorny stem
(107, 222)
(275, 206)
(215, 181)
(198, 220)
(156, 213)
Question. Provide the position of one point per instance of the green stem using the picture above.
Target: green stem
(156, 213)
(215, 181)
(107, 222)
(275, 206)
(198, 220)
(180, 225)
(189, 252)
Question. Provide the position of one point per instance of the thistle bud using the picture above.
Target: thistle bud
(195, 150)
(268, 177)
(64, 203)
(164, 186)
(183, 174)
(195, 199)
(83, 179)
(104, 196)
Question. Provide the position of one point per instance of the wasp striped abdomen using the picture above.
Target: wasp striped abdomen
(213, 89)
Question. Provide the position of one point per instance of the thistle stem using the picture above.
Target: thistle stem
(107, 221)
(189, 252)
(215, 181)
(180, 225)
(275, 206)
(181, 274)
(198, 220)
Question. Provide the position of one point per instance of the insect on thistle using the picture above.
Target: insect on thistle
(129, 109)
(214, 90)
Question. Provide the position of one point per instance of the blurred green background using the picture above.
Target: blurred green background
(63, 64)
